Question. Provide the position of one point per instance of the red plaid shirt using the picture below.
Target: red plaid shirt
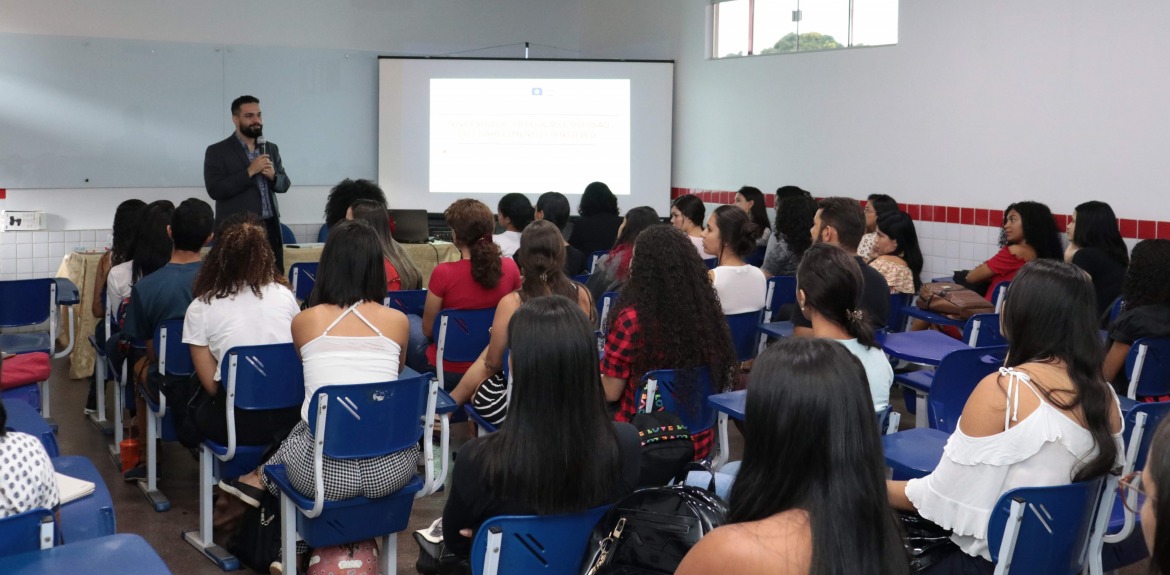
(622, 344)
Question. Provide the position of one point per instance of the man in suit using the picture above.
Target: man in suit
(243, 177)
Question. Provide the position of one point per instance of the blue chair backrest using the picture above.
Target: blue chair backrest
(957, 375)
(21, 533)
(781, 291)
(323, 233)
(302, 276)
(550, 544)
(757, 257)
(1154, 355)
(174, 357)
(744, 333)
(593, 257)
(468, 332)
(581, 279)
(696, 420)
(267, 376)
(1153, 413)
(896, 322)
(711, 263)
(1054, 531)
(25, 302)
(998, 294)
(1115, 310)
(408, 301)
(286, 235)
(371, 419)
(604, 304)
(982, 330)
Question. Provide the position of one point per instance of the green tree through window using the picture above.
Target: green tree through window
(806, 42)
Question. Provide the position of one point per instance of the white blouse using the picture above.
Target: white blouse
(740, 288)
(1046, 448)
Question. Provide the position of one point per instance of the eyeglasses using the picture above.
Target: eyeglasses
(1128, 483)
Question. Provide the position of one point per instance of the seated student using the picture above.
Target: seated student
(163, 295)
(829, 291)
(1029, 233)
(686, 215)
(795, 209)
(240, 300)
(345, 193)
(113, 271)
(1046, 418)
(477, 281)
(597, 228)
(741, 287)
(840, 222)
(558, 453)
(612, 269)
(806, 403)
(667, 317)
(751, 201)
(401, 273)
(554, 207)
(1095, 245)
(346, 336)
(875, 206)
(1147, 308)
(896, 253)
(540, 258)
(1155, 510)
(515, 212)
(27, 480)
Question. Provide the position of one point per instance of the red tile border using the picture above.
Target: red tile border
(1164, 230)
(967, 216)
(981, 217)
(1147, 229)
(1129, 228)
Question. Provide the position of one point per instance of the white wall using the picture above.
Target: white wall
(980, 104)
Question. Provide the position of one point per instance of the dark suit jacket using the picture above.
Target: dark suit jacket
(225, 174)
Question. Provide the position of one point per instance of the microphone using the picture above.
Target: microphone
(262, 144)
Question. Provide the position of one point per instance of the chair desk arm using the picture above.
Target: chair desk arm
(445, 404)
(67, 293)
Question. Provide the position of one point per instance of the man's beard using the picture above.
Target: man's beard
(253, 131)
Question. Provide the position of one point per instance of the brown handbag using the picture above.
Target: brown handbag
(952, 300)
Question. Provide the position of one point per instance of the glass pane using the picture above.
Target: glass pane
(824, 24)
(875, 22)
(774, 29)
(731, 28)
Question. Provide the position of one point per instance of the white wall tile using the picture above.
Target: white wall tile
(40, 250)
(953, 232)
(967, 250)
(72, 236)
(24, 267)
(966, 233)
(56, 236)
(22, 237)
(86, 237)
(953, 249)
(8, 254)
(24, 251)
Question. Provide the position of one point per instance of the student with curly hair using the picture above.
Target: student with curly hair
(667, 317)
(741, 287)
(240, 299)
(795, 209)
(686, 215)
(1095, 245)
(345, 193)
(477, 281)
(751, 201)
(1147, 307)
(1029, 233)
(401, 273)
(612, 269)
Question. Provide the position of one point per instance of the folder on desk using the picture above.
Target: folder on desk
(72, 488)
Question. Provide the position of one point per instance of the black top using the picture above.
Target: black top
(469, 503)
(1145, 321)
(875, 298)
(575, 261)
(595, 233)
(1107, 274)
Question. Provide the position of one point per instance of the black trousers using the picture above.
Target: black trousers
(272, 226)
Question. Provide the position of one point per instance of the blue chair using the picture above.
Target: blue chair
(896, 321)
(1045, 530)
(119, 400)
(408, 301)
(302, 276)
(1148, 367)
(604, 303)
(323, 233)
(1115, 310)
(460, 335)
(928, 347)
(711, 263)
(962, 369)
(87, 517)
(593, 257)
(550, 544)
(482, 426)
(352, 422)
(286, 235)
(757, 257)
(581, 278)
(999, 294)
(23, 418)
(31, 303)
(121, 553)
(699, 419)
(744, 333)
(32, 530)
(174, 360)
(253, 378)
(781, 292)
(100, 371)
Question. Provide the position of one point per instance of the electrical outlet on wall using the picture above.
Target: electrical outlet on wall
(22, 221)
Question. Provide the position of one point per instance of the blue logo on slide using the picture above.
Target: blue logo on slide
(537, 92)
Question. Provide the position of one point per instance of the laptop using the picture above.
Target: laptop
(410, 226)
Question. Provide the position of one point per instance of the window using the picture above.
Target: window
(750, 27)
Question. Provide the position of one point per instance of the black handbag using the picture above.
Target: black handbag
(926, 542)
(257, 541)
(650, 531)
(666, 447)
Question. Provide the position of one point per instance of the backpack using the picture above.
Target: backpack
(666, 447)
(650, 531)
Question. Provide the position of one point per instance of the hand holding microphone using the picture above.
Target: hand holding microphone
(263, 163)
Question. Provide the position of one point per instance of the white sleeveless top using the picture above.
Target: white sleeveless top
(1046, 448)
(741, 288)
(330, 359)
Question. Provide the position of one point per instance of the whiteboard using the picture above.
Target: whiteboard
(106, 113)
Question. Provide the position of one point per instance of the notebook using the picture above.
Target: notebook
(410, 226)
(72, 488)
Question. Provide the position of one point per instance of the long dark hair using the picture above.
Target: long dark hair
(1097, 228)
(1039, 229)
(899, 226)
(759, 213)
(240, 259)
(692, 208)
(637, 220)
(1158, 467)
(152, 245)
(552, 342)
(471, 220)
(882, 203)
(1050, 314)
(736, 230)
(375, 214)
(597, 199)
(351, 269)
(814, 446)
(1145, 279)
(833, 285)
(518, 208)
(541, 258)
(126, 221)
(667, 276)
(794, 217)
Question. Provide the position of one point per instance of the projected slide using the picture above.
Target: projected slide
(495, 136)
